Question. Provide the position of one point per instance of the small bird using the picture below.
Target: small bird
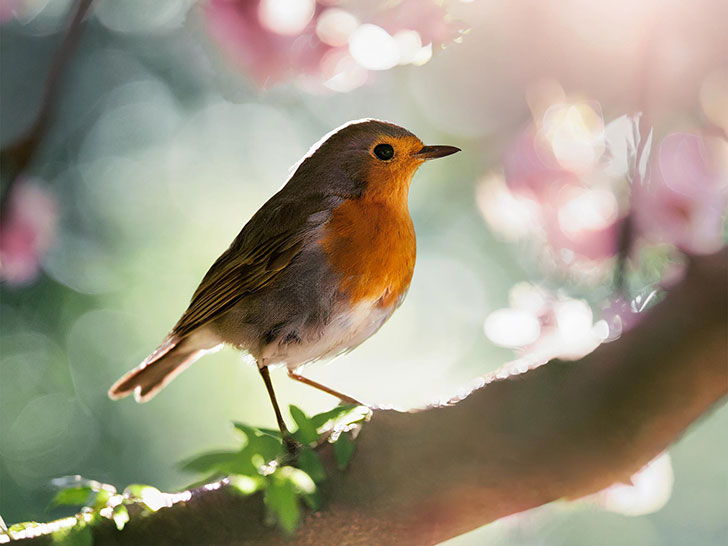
(315, 272)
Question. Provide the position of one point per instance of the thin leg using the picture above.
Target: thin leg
(327, 390)
(291, 444)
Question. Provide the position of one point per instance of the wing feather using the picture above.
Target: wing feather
(260, 253)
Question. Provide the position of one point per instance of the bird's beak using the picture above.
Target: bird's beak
(433, 152)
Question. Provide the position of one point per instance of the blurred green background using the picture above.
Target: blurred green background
(161, 151)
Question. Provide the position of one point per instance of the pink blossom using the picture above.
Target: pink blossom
(266, 55)
(546, 325)
(8, 9)
(573, 216)
(427, 17)
(590, 244)
(531, 168)
(280, 40)
(684, 200)
(26, 232)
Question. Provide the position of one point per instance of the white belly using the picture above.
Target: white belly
(344, 331)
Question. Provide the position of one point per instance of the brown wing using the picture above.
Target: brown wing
(234, 275)
(264, 248)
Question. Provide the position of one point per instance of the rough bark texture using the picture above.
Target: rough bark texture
(562, 430)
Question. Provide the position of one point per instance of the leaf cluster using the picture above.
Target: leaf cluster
(97, 501)
(262, 464)
(287, 482)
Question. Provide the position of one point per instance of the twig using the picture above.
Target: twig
(16, 156)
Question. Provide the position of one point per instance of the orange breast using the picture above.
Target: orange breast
(371, 243)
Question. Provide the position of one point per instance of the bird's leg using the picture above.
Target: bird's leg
(319, 386)
(291, 444)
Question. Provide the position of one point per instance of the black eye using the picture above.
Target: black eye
(384, 152)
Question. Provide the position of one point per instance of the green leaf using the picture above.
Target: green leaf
(73, 496)
(301, 481)
(282, 503)
(258, 441)
(77, 535)
(209, 462)
(321, 419)
(273, 433)
(120, 515)
(309, 462)
(306, 433)
(343, 450)
(303, 485)
(312, 500)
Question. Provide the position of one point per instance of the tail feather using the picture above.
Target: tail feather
(159, 368)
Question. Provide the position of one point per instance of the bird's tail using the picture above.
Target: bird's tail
(159, 368)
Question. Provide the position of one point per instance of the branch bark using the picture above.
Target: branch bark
(562, 430)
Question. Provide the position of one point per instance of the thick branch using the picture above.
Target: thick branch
(562, 430)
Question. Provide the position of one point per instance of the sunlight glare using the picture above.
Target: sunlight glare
(334, 27)
(341, 72)
(510, 215)
(574, 319)
(576, 134)
(511, 327)
(529, 297)
(287, 17)
(423, 55)
(409, 43)
(650, 490)
(587, 210)
(374, 48)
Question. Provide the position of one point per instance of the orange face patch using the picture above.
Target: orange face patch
(370, 241)
(389, 181)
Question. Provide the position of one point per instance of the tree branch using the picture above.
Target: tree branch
(562, 430)
(17, 155)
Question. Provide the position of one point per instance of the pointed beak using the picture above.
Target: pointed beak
(433, 152)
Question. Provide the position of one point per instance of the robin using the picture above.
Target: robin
(315, 272)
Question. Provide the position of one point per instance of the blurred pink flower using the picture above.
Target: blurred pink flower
(7, 9)
(427, 17)
(541, 325)
(531, 168)
(281, 40)
(684, 200)
(26, 232)
(267, 55)
(596, 243)
(573, 216)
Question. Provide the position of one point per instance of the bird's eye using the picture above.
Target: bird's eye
(384, 152)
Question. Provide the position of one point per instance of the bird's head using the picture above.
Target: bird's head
(369, 158)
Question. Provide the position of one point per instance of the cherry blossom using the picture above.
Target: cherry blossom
(683, 201)
(26, 232)
(326, 45)
(557, 165)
